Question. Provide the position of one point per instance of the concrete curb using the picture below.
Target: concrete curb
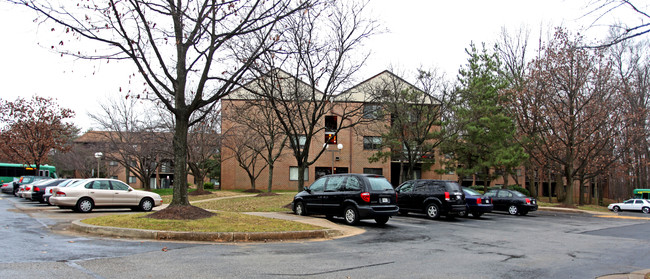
(639, 274)
(563, 209)
(204, 236)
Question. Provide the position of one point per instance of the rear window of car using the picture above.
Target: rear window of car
(379, 184)
(452, 186)
(471, 192)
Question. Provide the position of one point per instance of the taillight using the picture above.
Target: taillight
(27, 188)
(50, 191)
(478, 201)
(446, 195)
(60, 194)
(527, 201)
(36, 189)
(395, 197)
(365, 196)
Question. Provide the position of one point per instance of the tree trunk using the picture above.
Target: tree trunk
(301, 177)
(180, 197)
(270, 185)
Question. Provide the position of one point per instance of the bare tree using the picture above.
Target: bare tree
(409, 119)
(317, 59)
(260, 120)
(133, 138)
(181, 49)
(624, 32)
(246, 149)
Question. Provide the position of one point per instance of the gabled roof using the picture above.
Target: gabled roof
(362, 92)
(244, 92)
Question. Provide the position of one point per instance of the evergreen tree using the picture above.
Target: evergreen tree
(485, 139)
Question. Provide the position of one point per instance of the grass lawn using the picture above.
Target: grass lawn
(590, 207)
(222, 222)
(250, 204)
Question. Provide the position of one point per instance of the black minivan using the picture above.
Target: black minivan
(351, 196)
(432, 197)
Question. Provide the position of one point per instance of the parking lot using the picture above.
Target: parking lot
(543, 244)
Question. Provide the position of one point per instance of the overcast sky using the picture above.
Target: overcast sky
(420, 33)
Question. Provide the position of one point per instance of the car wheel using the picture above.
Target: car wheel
(616, 209)
(381, 220)
(146, 204)
(477, 214)
(433, 211)
(646, 210)
(513, 210)
(300, 209)
(84, 205)
(523, 213)
(351, 215)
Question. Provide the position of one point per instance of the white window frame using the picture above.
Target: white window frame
(293, 174)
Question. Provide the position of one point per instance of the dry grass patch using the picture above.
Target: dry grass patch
(273, 203)
(222, 222)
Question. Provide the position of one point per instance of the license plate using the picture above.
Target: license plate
(487, 201)
(384, 200)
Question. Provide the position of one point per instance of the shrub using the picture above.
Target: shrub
(208, 185)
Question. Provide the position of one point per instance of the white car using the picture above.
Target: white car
(632, 204)
(84, 195)
(48, 190)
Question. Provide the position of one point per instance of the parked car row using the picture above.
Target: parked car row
(367, 196)
(83, 195)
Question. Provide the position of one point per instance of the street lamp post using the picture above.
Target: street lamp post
(339, 147)
(99, 156)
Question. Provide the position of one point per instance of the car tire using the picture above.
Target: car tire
(382, 220)
(477, 214)
(146, 204)
(351, 215)
(513, 210)
(300, 209)
(646, 210)
(432, 210)
(84, 205)
(616, 209)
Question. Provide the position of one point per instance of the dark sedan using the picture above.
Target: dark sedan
(512, 201)
(476, 203)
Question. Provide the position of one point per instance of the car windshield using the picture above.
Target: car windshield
(471, 192)
(379, 184)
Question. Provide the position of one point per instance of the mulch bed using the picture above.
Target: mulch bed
(181, 212)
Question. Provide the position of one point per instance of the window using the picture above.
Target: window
(119, 185)
(377, 171)
(330, 138)
(504, 194)
(371, 143)
(371, 111)
(406, 187)
(353, 184)
(112, 163)
(98, 185)
(293, 173)
(330, 123)
(334, 184)
(131, 179)
(318, 185)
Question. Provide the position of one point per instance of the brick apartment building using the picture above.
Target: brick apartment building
(346, 152)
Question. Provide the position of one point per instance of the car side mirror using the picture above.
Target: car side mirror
(130, 189)
(307, 189)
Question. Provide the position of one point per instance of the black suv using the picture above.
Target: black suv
(351, 196)
(433, 197)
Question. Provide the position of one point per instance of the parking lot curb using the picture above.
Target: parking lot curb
(639, 274)
(564, 209)
(79, 226)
